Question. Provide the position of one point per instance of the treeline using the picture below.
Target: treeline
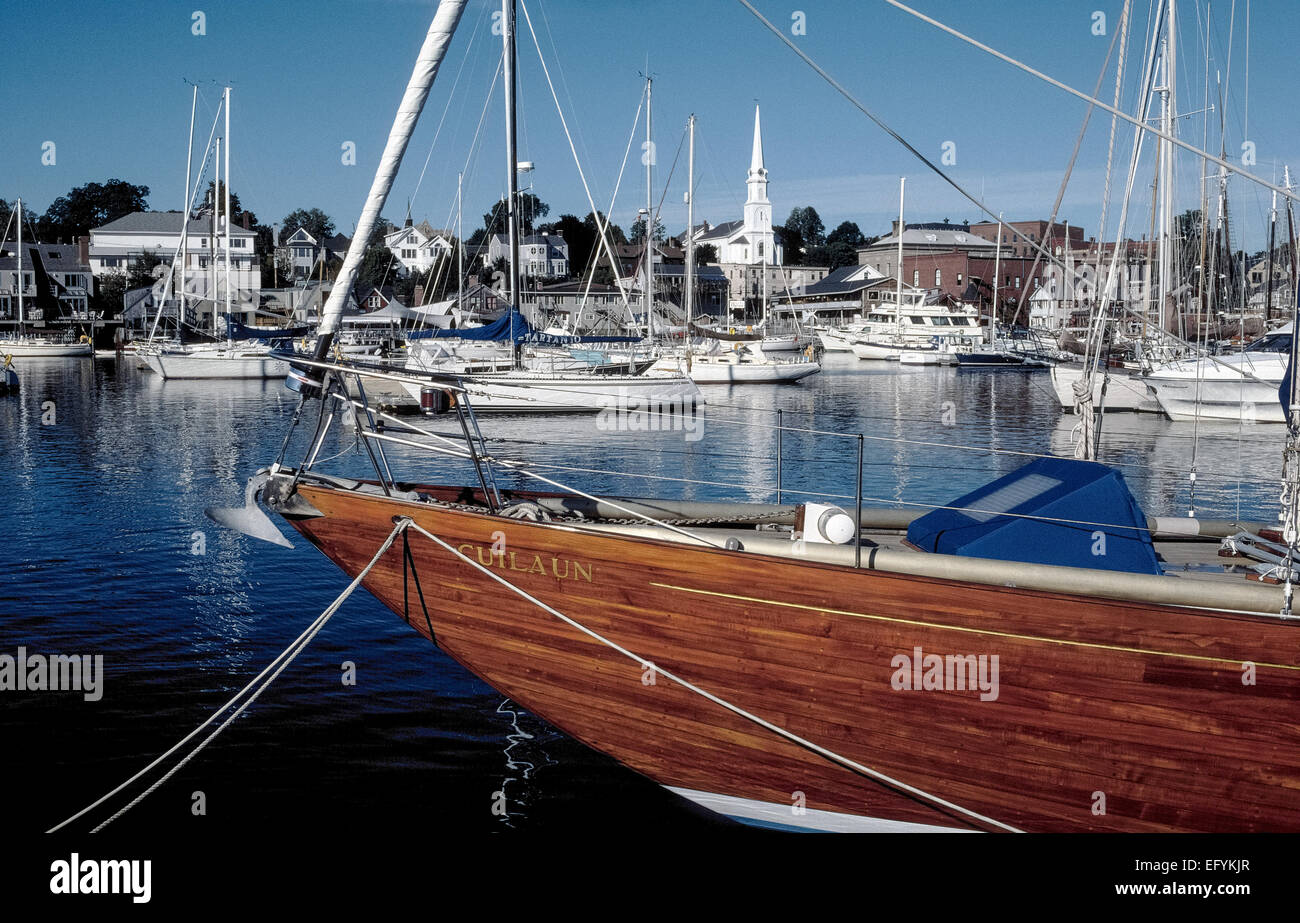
(94, 205)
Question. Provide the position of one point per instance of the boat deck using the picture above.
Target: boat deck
(1191, 560)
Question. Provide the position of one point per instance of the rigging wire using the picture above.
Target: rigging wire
(586, 188)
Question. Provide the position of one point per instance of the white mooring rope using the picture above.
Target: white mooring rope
(296, 647)
(285, 658)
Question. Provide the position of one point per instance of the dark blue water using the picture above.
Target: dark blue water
(103, 513)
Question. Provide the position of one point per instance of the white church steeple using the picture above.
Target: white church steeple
(758, 210)
(757, 172)
(750, 241)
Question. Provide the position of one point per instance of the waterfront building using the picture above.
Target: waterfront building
(116, 246)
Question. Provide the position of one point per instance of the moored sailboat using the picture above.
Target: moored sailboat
(245, 358)
(787, 666)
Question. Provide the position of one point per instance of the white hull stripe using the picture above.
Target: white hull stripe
(783, 816)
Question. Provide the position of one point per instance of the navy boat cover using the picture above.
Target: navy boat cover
(237, 331)
(1050, 511)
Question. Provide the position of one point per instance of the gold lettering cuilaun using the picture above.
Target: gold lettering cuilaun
(546, 565)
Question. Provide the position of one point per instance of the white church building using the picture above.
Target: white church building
(750, 251)
(750, 241)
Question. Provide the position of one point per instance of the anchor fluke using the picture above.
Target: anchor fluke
(249, 518)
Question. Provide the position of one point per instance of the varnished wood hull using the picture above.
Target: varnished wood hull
(1134, 710)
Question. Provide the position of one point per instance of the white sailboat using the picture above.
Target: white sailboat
(921, 336)
(839, 339)
(1241, 386)
(745, 362)
(1125, 390)
(231, 359)
(550, 390)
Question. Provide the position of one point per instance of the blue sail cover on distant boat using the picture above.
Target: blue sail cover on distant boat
(1066, 512)
(511, 326)
(237, 331)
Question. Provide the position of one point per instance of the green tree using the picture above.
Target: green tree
(819, 255)
(581, 240)
(378, 265)
(5, 211)
(847, 232)
(531, 209)
(141, 272)
(318, 224)
(90, 206)
(109, 289)
(236, 208)
(793, 244)
(404, 287)
(638, 231)
(706, 254)
(809, 225)
(840, 254)
(613, 231)
(376, 268)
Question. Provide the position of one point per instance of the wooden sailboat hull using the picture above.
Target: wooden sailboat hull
(1108, 716)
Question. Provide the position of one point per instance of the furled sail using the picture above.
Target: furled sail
(426, 69)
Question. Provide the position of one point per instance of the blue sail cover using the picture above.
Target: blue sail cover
(237, 331)
(512, 326)
(1082, 516)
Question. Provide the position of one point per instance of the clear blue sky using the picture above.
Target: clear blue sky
(106, 81)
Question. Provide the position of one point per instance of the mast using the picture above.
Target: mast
(408, 113)
(898, 294)
(227, 172)
(460, 247)
(690, 226)
(512, 152)
(212, 239)
(1167, 105)
(1272, 232)
(1289, 396)
(1290, 236)
(997, 271)
(185, 210)
(21, 284)
(649, 213)
(1203, 303)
